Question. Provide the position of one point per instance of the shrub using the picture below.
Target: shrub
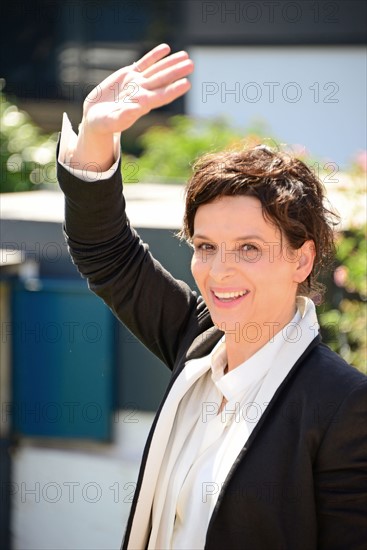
(27, 155)
(169, 151)
(343, 316)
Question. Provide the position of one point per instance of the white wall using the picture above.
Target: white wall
(319, 100)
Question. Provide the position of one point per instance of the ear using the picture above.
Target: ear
(305, 260)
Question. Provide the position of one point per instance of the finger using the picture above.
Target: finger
(165, 63)
(113, 79)
(170, 75)
(167, 94)
(123, 118)
(156, 54)
(152, 57)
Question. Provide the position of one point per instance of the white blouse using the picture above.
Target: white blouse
(196, 461)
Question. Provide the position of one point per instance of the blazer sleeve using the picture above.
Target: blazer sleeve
(341, 476)
(107, 251)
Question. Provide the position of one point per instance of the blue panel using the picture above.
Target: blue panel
(62, 348)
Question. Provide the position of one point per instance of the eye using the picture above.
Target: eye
(204, 248)
(249, 248)
(250, 252)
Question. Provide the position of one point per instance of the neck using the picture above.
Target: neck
(241, 345)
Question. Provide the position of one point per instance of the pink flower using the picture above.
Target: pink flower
(361, 160)
(341, 275)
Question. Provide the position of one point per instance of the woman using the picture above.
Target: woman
(260, 438)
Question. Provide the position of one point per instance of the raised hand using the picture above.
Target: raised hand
(121, 99)
(131, 92)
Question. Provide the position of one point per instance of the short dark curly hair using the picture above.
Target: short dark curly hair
(292, 198)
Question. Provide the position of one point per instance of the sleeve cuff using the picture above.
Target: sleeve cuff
(67, 143)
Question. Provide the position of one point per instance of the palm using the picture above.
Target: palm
(129, 93)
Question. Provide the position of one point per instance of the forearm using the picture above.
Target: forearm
(92, 151)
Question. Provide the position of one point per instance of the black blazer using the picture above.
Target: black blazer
(300, 483)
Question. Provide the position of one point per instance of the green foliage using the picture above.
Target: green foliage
(27, 156)
(343, 317)
(352, 254)
(169, 151)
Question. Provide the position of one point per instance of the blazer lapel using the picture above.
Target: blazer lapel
(141, 523)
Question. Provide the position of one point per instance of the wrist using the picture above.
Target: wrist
(93, 148)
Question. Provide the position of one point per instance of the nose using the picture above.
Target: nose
(223, 265)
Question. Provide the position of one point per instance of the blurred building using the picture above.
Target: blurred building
(299, 67)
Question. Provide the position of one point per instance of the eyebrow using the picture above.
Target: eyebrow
(243, 238)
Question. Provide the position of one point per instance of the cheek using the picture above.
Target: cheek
(282, 273)
(194, 267)
(198, 270)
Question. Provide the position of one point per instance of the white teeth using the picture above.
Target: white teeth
(223, 295)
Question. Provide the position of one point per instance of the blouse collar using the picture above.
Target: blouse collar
(237, 381)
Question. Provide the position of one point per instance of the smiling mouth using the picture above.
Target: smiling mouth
(225, 297)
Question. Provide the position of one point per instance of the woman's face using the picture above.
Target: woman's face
(247, 275)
